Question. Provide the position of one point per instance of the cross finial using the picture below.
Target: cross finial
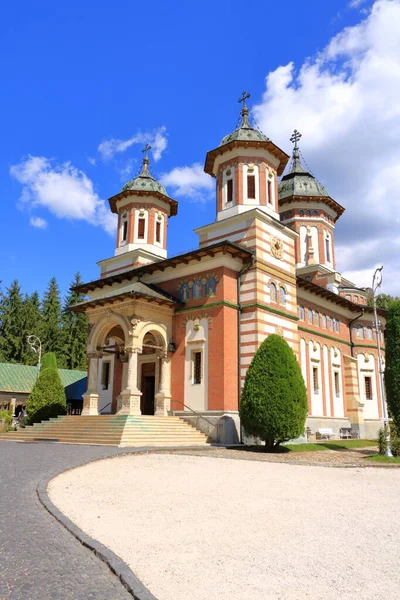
(295, 138)
(146, 149)
(244, 97)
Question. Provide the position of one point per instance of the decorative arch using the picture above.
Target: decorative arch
(159, 331)
(100, 330)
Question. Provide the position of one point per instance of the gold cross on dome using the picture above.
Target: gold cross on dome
(244, 97)
(295, 138)
(146, 149)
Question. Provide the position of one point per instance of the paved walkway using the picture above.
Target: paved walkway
(39, 559)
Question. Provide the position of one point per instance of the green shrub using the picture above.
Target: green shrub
(47, 398)
(49, 360)
(394, 440)
(392, 371)
(274, 400)
(7, 416)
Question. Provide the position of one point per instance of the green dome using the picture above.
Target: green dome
(144, 182)
(298, 182)
(245, 132)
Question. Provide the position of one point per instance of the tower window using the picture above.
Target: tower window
(124, 231)
(328, 249)
(272, 292)
(337, 383)
(196, 367)
(251, 187)
(368, 388)
(158, 232)
(282, 295)
(315, 380)
(269, 186)
(141, 226)
(229, 190)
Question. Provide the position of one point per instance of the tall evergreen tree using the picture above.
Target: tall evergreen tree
(31, 318)
(51, 320)
(392, 371)
(11, 324)
(74, 330)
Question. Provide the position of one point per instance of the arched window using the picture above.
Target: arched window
(368, 333)
(211, 287)
(300, 311)
(282, 295)
(359, 331)
(330, 323)
(348, 297)
(309, 315)
(184, 292)
(316, 318)
(272, 292)
(355, 299)
(197, 290)
(323, 321)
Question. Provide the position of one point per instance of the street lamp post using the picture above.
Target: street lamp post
(376, 284)
(36, 346)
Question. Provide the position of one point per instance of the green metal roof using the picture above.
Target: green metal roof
(245, 132)
(144, 182)
(21, 378)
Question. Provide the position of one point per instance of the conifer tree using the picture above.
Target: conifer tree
(74, 330)
(392, 370)
(274, 400)
(31, 317)
(11, 324)
(51, 319)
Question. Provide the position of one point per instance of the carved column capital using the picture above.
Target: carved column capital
(132, 349)
(93, 354)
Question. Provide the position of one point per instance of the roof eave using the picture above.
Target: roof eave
(270, 146)
(114, 199)
(338, 208)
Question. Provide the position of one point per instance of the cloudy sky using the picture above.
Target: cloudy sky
(84, 87)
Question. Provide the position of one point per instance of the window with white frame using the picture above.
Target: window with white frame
(251, 186)
(197, 366)
(228, 187)
(328, 247)
(124, 229)
(315, 380)
(368, 388)
(158, 229)
(270, 189)
(336, 379)
(368, 333)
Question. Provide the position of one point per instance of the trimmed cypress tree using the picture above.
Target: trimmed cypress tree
(47, 398)
(274, 400)
(31, 317)
(392, 371)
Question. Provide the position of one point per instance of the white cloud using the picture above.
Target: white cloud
(190, 182)
(92, 161)
(63, 189)
(356, 3)
(156, 138)
(38, 222)
(346, 103)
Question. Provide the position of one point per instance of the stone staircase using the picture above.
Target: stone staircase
(112, 430)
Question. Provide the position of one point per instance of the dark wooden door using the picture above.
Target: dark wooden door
(148, 388)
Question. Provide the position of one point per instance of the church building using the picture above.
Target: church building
(175, 336)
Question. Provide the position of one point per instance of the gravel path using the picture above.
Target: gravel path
(203, 528)
(39, 559)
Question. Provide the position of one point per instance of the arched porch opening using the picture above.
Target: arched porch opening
(153, 349)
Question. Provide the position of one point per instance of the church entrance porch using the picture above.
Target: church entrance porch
(128, 374)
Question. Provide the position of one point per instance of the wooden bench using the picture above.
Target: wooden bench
(325, 433)
(345, 433)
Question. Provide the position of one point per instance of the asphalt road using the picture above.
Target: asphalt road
(39, 558)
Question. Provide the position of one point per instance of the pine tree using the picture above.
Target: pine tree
(274, 400)
(51, 320)
(11, 324)
(74, 330)
(31, 317)
(392, 370)
(47, 398)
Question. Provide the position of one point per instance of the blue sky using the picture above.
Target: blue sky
(77, 75)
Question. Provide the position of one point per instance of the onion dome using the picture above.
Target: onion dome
(245, 132)
(145, 182)
(299, 182)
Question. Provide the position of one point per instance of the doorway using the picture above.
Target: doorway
(148, 388)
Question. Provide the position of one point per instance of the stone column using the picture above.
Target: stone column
(91, 398)
(163, 396)
(129, 401)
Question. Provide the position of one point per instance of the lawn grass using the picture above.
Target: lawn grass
(331, 445)
(383, 459)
